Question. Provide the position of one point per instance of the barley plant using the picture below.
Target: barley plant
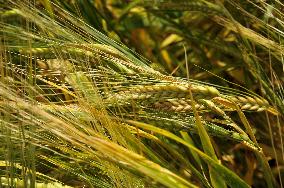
(172, 93)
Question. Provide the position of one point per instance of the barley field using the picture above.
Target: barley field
(142, 93)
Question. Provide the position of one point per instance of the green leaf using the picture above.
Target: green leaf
(230, 177)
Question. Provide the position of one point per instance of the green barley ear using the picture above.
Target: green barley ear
(204, 7)
(232, 180)
(84, 88)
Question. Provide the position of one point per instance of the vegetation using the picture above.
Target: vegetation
(151, 93)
